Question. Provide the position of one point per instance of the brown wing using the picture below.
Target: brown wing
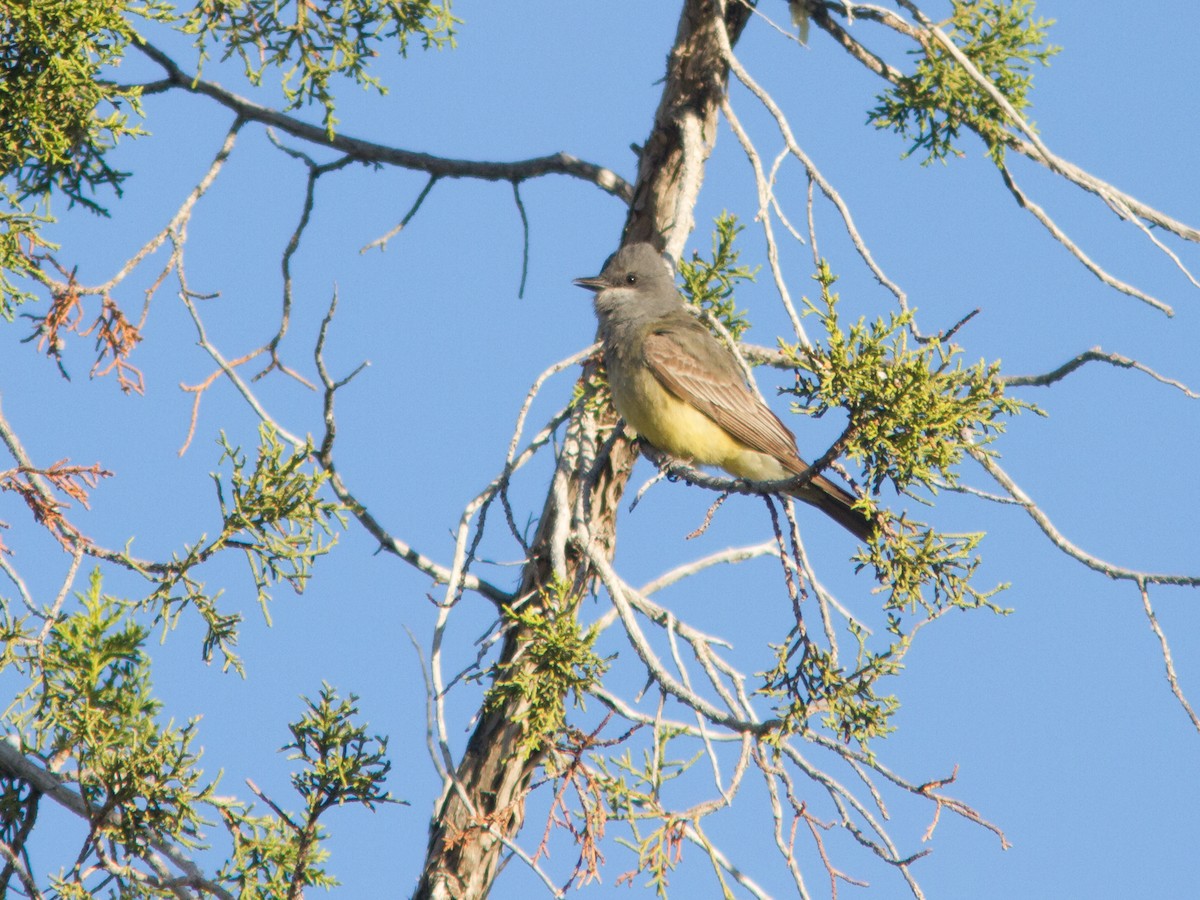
(698, 369)
(695, 367)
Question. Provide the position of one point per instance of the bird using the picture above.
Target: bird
(683, 391)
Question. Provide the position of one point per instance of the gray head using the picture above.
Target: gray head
(635, 278)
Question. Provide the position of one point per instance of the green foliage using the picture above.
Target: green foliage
(912, 415)
(275, 516)
(60, 119)
(14, 638)
(709, 284)
(633, 793)
(62, 114)
(89, 701)
(342, 764)
(912, 411)
(312, 42)
(848, 701)
(659, 850)
(558, 660)
(267, 858)
(89, 708)
(19, 243)
(592, 392)
(17, 813)
(925, 568)
(1002, 39)
(275, 855)
(274, 513)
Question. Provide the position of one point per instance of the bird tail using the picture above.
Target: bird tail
(838, 504)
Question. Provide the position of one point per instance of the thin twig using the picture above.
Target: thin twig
(1172, 678)
(1061, 236)
(765, 198)
(1059, 540)
(1094, 355)
(382, 242)
(516, 187)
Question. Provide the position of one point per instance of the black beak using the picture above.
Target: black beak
(595, 283)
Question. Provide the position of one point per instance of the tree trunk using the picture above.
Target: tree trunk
(493, 776)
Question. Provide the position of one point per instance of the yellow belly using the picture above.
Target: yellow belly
(677, 428)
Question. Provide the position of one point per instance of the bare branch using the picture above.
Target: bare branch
(324, 456)
(181, 215)
(618, 593)
(382, 242)
(16, 864)
(814, 174)
(230, 372)
(1026, 141)
(369, 152)
(1120, 202)
(785, 845)
(1056, 537)
(696, 836)
(315, 171)
(1094, 355)
(1172, 678)
(874, 62)
(516, 186)
(1061, 236)
(765, 198)
(731, 556)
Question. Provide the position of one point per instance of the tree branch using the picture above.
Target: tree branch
(368, 152)
(1027, 142)
(1094, 355)
(17, 765)
(1056, 537)
(1168, 662)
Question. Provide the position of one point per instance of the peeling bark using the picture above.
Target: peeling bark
(487, 796)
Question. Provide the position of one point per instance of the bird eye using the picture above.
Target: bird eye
(631, 278)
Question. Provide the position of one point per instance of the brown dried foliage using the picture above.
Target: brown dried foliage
(116, 336)
(73, 481)
(592, 814)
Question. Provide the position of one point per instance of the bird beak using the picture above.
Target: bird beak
(595, 283)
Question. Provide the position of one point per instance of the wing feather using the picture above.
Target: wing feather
(693, 365)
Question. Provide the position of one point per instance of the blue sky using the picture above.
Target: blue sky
(1058, 716)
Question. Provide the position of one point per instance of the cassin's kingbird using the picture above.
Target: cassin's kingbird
(683, 391)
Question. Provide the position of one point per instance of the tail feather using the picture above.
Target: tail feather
(838, 504)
